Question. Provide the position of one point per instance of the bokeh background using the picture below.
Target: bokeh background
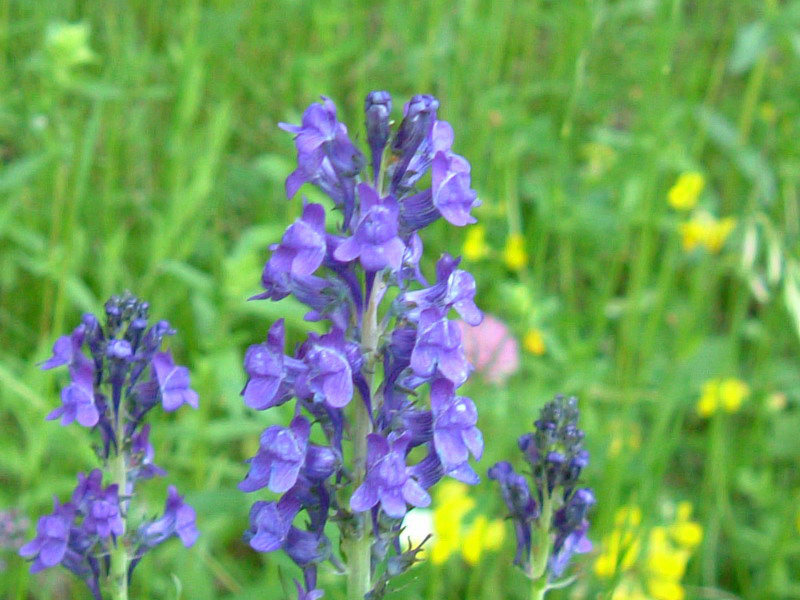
(638, 164)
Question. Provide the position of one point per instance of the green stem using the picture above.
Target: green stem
(358, 547)
(541, 550)
(118, 575)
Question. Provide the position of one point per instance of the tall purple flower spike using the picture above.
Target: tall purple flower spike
(388, 479)
(360, 384)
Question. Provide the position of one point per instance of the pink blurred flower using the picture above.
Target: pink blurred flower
(491, 348)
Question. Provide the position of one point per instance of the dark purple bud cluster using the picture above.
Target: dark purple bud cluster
(118, 374)
(552, 508)
(382, 381)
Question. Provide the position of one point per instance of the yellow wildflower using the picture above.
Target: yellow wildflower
(663, 559)
(475, 247)
(628, 590)
(514, 254)
(623, 541)
(709, 398)
(534, 342)
(665, 589)
(732, 392)
(727, 394)
(718, 234)
(482, 535)
(453, 504)
(686, 191)
(704, 229)
(685, 532)
(659, 573)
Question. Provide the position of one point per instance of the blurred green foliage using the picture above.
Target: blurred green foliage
(139, 150)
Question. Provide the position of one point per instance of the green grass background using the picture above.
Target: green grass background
(159, 168)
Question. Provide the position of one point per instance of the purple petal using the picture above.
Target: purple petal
(393, 503)
(364, 498)
(414, 494)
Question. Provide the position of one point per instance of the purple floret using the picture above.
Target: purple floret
(264, 365)
(302, 248)
(52, 535)
(375, 241)
(173, 382)
(77, 399)
(280, 457)
(455, 434)
(438, 348)
(388, 479)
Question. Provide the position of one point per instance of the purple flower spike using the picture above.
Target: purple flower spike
(302, 248)
(264, 365)
(452, 194)
(77, 399)
(375, 240)
(280, 457)
(173, 382)
(388, 480)
(52, 536)
(455, 434)
(438, 348)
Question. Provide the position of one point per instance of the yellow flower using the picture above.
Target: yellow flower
(514, 253)
(475, 247)
(629, 590)
(727, 394)
(719, 233)
(665, 589)
(684, 531)
(704, 229)
(709, 398)
(622, 541)
(482, 535)
(663, 559)
(732, 392)
(686, 191)
(452, 505)
(534, 342)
